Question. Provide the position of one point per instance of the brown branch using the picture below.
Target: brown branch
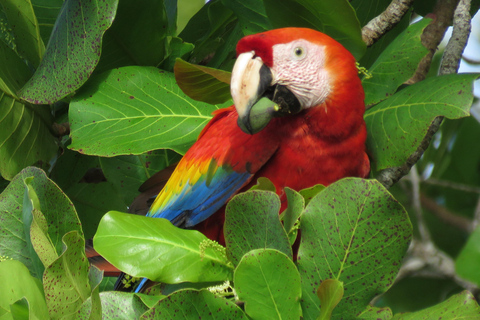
(379, 25)
(446, 215)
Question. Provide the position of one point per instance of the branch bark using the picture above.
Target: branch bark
(379, 25)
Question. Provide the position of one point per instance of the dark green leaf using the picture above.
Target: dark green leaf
(269, 284)
(155, 249)
(46, 12)
(177, 49)
(397, 125)
(18, 283)
(192, 304)
(92, 200)
(65, 281)
(330, 292)
(264, 184)
(251, 15)
(128, 173)
(203, 83)
(25, 138)
(352, 231)
(21, 17)
(252, 222)
(71, 167)
(14, 73)
(320, 15)
(133, 110)
(73, 51)
(396, 64)
(56, 207)
(459, 306)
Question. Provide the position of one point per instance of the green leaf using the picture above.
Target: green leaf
(177, 49)
(116, 306)
(138, 35)
(73, 51)
(397, 63)
(18, 283)
(251, 15)
(374, 313)
(192, 304)
(203, 83)
(92, 200)
(95, 277)
(65, 281)
(128, 173)
(71, 167)
(56, 207)
(330, 293)
(322, 16)
(459, 306)
(264, 184)
(352, 231)
(155, 249)
(14, 73)
(309, 193)
(397, 125)
(21, 17)
(289, 217)
(269, 284)
(252, 222)
(20, 310)
(25, 138)
(133, 110)
(46, 12)
(467, 262)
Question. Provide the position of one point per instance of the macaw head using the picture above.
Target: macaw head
(284, 71)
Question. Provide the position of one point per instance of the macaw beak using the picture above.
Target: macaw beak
(257, 99)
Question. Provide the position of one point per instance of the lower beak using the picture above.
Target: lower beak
(257, 99)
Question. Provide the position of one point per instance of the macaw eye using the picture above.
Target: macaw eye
(298, 53)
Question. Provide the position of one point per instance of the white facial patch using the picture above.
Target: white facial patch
(299, 65)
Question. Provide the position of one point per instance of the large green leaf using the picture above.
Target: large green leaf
(330, 292)
(18, 283)
(155, 249)
(396, 126)
(72, 52)
(25, 138)
(320, 15)
(67, 278)
(374, 313)
(192, 304)
(460, 306)
(353, 231)
(252, 222)
(133, 110)
(203, 83)
(251, 15)
(397, 63)
(128, 173)
(269, 284)
(56, 207)
(138, 36)
(25, 27)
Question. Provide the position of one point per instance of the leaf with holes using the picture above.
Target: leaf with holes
(72, 52)
(133, 110)
(354, 232)
(396, 126)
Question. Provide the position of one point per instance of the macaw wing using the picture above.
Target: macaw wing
(220, 163)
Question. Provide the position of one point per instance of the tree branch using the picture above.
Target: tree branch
(379, 25)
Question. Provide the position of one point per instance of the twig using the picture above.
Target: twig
(471, 61)
(453, 185)
(476, 216)
(446, 215)
(379, 25)
(417, 206)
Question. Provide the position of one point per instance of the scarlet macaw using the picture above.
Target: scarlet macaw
(310, 130)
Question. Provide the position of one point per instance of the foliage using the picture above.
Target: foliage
(97, 97)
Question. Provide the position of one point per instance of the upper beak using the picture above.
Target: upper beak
(250, 80)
